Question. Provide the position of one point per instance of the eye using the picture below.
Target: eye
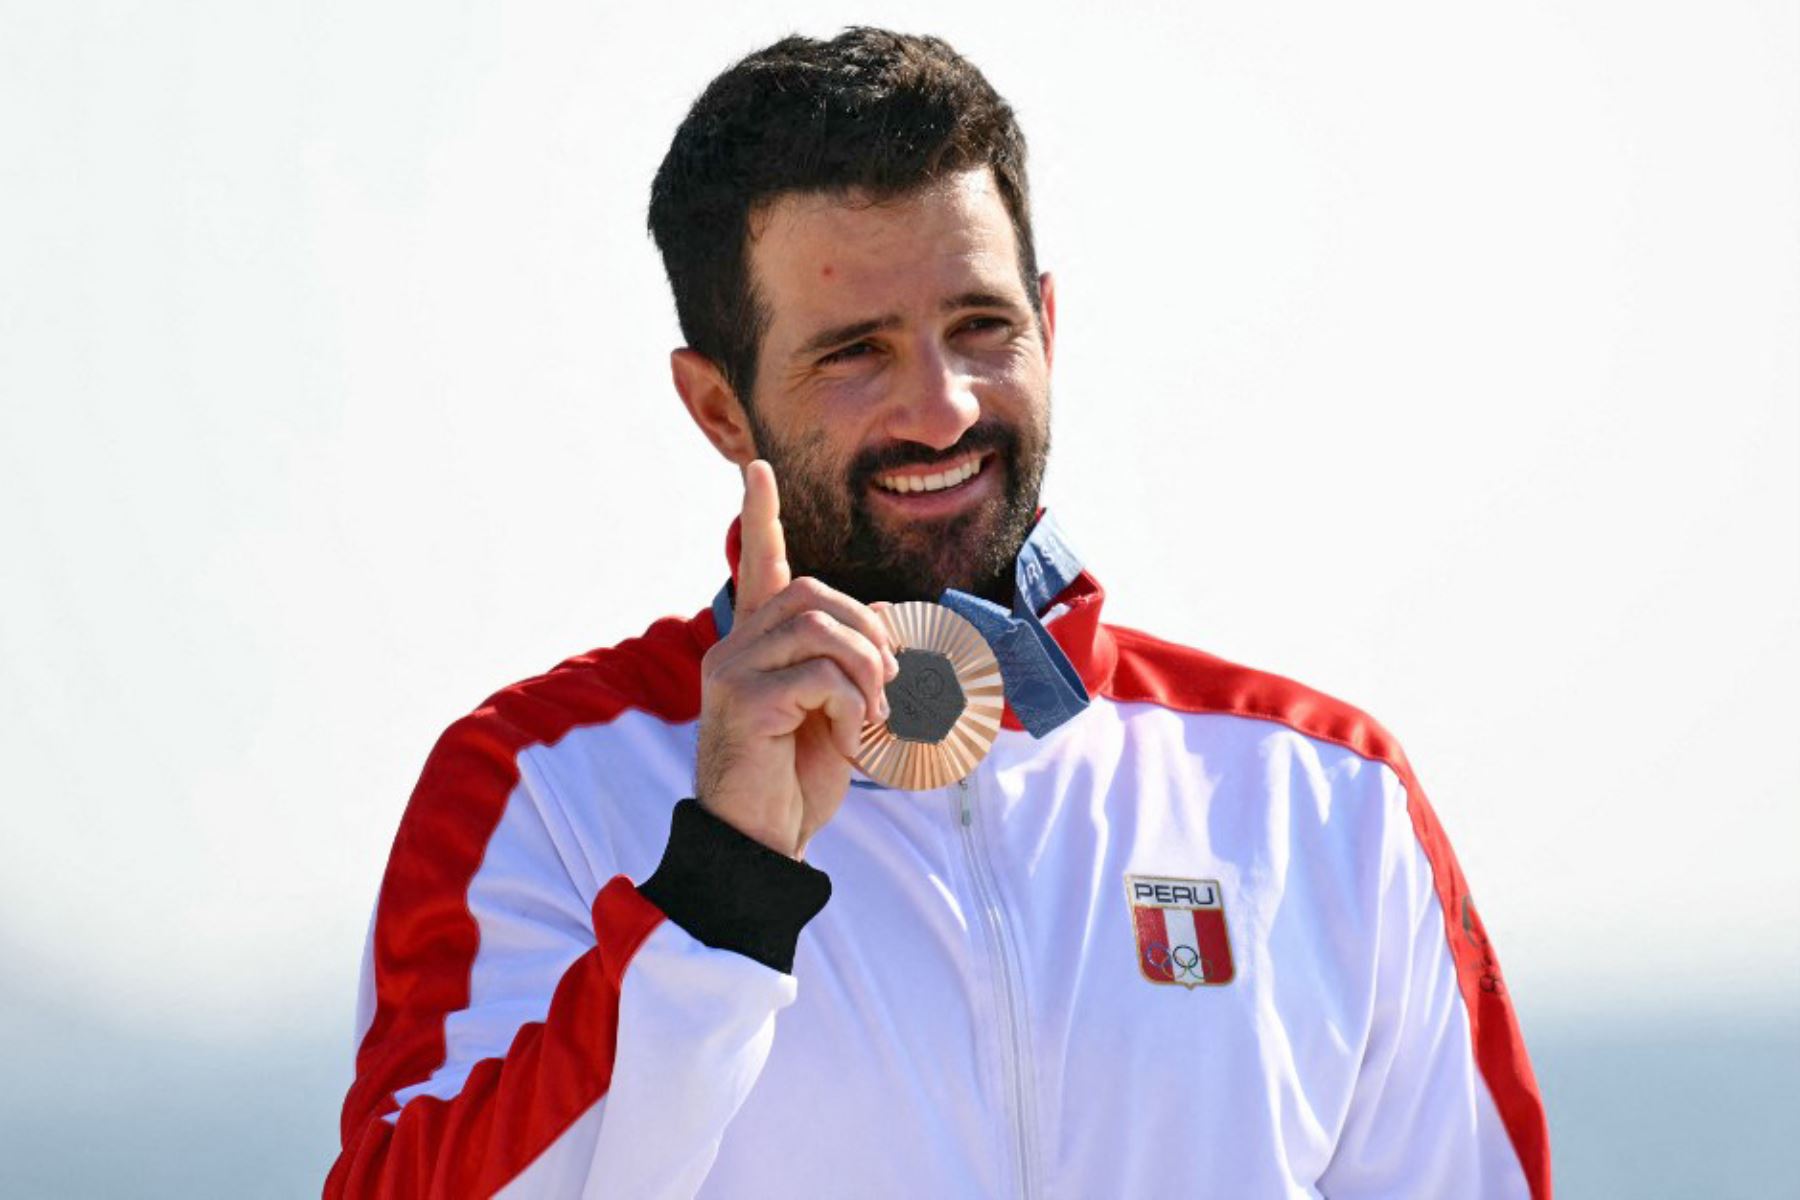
(853, 350)
(979, 324)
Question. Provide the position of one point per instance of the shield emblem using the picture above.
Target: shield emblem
(1180, 930)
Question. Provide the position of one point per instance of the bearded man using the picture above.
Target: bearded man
(649, 930)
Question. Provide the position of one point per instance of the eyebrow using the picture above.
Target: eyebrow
(838, 335)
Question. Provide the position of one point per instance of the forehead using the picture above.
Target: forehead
(814, 255)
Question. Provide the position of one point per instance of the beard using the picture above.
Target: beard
(833, 534)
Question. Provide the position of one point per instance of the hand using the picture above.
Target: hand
(784, 696)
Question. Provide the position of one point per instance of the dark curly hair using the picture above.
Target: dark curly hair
(880, 112)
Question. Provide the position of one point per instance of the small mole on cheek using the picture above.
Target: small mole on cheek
(826, 271)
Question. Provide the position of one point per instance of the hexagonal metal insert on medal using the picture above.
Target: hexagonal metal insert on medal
(924, 697)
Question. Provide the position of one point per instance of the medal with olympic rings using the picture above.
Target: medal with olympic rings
(944, 703)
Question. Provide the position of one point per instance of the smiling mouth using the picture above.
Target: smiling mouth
(908, 482)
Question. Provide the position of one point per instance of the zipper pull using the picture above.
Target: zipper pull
(962, 787)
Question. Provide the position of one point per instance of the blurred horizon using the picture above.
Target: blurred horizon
(254, 1118)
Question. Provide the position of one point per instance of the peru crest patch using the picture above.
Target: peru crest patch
(1180, 930)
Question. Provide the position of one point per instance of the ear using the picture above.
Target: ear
(712, 404)
(1047, 291)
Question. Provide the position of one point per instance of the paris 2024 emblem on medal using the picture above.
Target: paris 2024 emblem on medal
(944, 704)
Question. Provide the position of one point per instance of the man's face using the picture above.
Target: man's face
(903, 388)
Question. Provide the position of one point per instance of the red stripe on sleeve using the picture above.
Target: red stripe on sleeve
(1493, 1028)
(425, 941)
(510, 1110)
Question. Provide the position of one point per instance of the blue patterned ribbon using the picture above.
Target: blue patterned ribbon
(1042, 685)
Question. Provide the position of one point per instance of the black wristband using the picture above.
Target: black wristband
(731, 892)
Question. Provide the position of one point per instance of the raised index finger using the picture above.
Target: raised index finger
(762, 551)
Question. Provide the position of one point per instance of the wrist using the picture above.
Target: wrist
(731, 891)
(773, 835)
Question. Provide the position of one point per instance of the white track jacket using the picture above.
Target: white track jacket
(1205, 939)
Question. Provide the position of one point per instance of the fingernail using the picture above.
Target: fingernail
(883, 708)
(893, 664)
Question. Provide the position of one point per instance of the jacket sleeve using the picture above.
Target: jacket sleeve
(525, 1036)
(1445, 1103)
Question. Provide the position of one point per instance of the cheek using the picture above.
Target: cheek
(1015, 389)
(843, 395)
(819, 445)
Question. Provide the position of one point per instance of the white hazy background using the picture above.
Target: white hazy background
(1443, 357)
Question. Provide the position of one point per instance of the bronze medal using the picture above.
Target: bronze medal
(944, 704)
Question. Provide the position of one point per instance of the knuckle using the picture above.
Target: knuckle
(848, 703)
(719, 695)
(832, 679)
(728, 678)
(872, 620)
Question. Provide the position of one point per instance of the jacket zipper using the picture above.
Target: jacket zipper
(1015, 1061)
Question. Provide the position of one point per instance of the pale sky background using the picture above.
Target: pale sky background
(1442, 357)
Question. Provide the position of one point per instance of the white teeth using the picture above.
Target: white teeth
(930, 483)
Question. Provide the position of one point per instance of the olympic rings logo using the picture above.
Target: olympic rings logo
(1183, 962)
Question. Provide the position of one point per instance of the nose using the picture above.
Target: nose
(935, 404)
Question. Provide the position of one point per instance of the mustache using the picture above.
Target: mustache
(990, 435)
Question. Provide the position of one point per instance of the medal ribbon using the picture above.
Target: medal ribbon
(1041, 684)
